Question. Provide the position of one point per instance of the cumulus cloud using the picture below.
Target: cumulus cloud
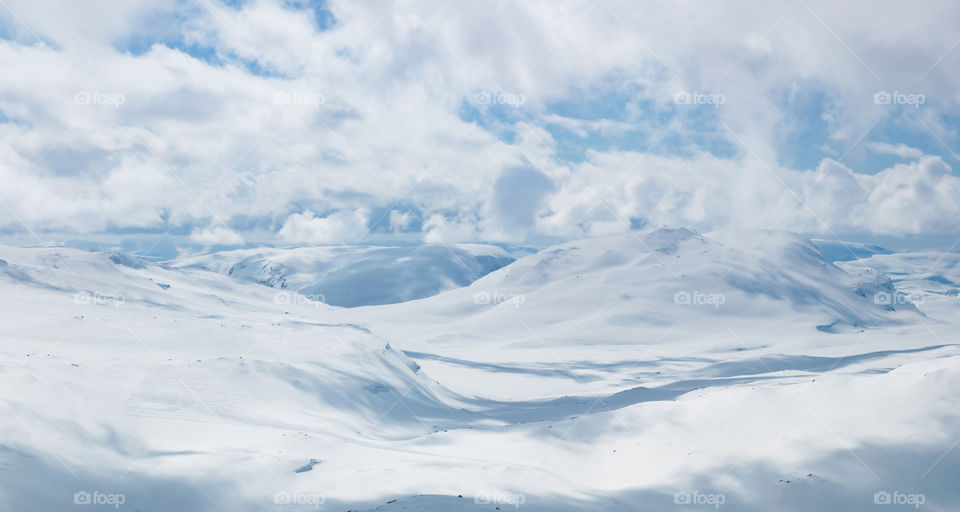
(246, 111)
(400, 221)
(708, 192)
(914, 198)
(216, 236)
(440, 229)
(901, 150)
(343, 226)
(518, 195)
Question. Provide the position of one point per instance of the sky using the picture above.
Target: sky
(172, 127)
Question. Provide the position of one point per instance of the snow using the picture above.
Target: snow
(838, 250)
(356, 276)
(575, 378)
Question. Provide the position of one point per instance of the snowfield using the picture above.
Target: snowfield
(668, 370)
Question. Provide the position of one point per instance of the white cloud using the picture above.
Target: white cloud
(216, 236)
(400, 221)
(901, 150)
(196, 142)
(343, 226)
(709, 193)
(439, 229)
(582, 127)
(915, 198)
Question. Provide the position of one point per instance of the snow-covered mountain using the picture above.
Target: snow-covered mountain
(358, 276)
(930, 279)
(577, 378)
(919, 273)
(615, 286)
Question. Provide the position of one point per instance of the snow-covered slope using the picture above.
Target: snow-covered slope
(612, 286)
(929, 279)
(838, 250)
(358, 276)
(918, 273)
(118, 375)
(571, 380)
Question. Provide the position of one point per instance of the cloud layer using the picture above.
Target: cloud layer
(307, 122)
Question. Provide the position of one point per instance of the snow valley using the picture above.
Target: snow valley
(658, 370)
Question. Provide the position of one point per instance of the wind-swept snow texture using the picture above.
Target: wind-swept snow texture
(655, 371)
(836, 250)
